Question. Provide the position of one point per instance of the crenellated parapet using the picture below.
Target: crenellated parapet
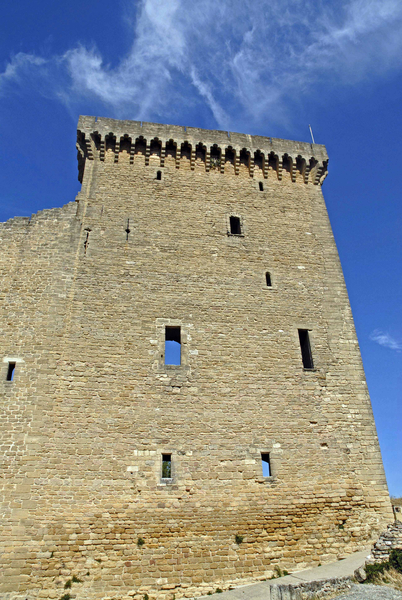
(190, 147)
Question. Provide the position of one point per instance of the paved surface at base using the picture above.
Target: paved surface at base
(341, 568)
(370, 592)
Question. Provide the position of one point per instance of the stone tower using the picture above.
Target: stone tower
(183, 399)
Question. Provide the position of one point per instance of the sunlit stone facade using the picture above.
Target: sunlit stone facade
(140, 477)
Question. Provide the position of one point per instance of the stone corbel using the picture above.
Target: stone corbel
(293, 169)
(208, 159)
(102, 145)
(279, 168)
(147, 152)
(116, 151)
(163, 153)
(251, 165)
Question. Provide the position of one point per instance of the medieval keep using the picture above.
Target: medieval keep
(183, 400)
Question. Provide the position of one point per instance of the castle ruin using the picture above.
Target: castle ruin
(184, 405)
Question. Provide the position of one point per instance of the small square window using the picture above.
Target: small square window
(166, 466)
(266, 464)
(235, 225)
(10, 371)
(172, 352)
(172, 346)
(305, 349)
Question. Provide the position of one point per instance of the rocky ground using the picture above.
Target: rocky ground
(370, 592)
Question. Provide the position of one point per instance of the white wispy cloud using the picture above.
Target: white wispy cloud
(220, 115)
(385, 339)
(233, 58)
(19, 67)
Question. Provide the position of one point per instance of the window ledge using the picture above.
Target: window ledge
(166, 480)
(237, 235)
(171, 370)
(308, 369)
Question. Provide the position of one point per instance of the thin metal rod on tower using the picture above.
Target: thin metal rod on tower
(311, 131)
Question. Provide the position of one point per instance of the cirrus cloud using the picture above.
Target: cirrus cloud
(383, 338)
(234, 58)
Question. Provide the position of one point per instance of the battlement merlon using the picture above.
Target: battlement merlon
(96, 135)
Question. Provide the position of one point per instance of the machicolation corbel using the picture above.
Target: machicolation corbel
(149, 142)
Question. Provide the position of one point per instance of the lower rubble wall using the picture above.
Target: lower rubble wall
(179, 557)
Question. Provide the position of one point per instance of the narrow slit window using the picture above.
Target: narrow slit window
(305, 349)
(268, 279)
(172, 346)
(266, 464)
(10, 371)
(261, 186)
(166, 466)
(159, 175)
(235, 227)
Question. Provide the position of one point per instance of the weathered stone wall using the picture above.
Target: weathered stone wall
(389, 540)
(92, 406)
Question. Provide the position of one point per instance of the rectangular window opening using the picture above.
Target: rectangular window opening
(159, 175)
(235, 228)
(268, 279)
(305, 349)
(10, 371)
(266, 465)
(172, 346)
(261, 186)
(166, 466)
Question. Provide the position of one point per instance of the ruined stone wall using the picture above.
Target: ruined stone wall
(87, 292)
(391, 539)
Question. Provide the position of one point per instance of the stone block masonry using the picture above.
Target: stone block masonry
(391, 539)
(138, 476)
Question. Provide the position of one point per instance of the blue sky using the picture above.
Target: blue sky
(268, 68)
